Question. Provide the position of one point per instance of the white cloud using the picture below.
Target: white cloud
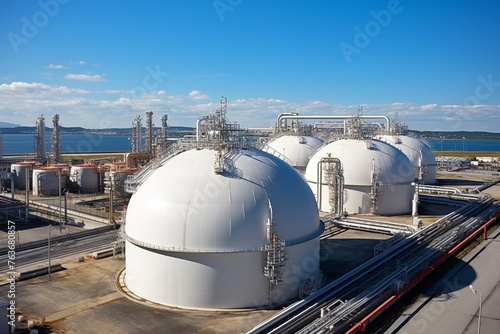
(56, 67)
(35, 89)
(85, 77)
(429, 106)
(197, 95)
(22, 102)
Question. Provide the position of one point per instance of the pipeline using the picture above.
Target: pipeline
(361, 325)
(288, 116)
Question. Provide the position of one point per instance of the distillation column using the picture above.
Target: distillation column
(56, 138)
(40, 138)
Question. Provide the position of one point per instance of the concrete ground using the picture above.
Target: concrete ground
(84, 299)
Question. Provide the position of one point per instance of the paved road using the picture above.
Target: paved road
(451, 306)
(60, 252)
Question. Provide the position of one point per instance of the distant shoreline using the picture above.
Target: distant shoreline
(466, 154)
(119, 155)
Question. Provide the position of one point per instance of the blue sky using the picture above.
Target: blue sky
(101, 63)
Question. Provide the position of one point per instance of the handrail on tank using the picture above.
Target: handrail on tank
(288, 116)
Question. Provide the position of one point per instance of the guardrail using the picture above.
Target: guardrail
(59, 238)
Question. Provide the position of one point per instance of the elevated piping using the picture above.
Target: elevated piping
(288, 116)
(361, 325)
(198, 121)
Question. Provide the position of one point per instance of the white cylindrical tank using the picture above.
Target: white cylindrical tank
(20, 170)
(296, 150)
(46, 181)
(377, 177)
(86, 177)
(197, 239)
(420, 154)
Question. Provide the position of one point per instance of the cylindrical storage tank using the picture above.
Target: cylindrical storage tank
(295, 150)
(86, 178)
(420, 154)
(19, 171)
(46, 181)
(377, 177)
(197, 239)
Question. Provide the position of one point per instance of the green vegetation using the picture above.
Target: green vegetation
(466, 154)
(458, 134)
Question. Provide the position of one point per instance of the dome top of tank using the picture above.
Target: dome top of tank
(296, 149)
(415, 149)
(358, 156)
(185, 206)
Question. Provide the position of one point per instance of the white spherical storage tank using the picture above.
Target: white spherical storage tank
(197, 239)
(377, 177)
(297, 150)
(86, 177)
(416, 150)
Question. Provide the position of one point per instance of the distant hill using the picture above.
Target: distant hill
(179, 131)
(8, 125)
(458, 134)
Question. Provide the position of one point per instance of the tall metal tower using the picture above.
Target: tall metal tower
(40, 138)
(1, 145)
(56, 138)
(149, 132)
(164, 130)
(137, 134)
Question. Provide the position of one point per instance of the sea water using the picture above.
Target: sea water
(70, 143)
(88, 143)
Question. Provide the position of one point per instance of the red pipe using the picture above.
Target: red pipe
(361, 325)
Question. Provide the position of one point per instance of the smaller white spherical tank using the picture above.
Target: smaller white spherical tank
(46, 181)
(420, 154)
(296, 150)
(19, 171)
(377, 177)
(86, 177)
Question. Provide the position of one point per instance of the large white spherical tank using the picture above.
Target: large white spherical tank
(46, 182)
(86, 177)
(195, 238)
(19, 172)
(297, 150)
(416, 149)
(360, 159)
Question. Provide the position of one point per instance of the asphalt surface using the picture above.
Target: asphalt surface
(451, 306)
(60, 252)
